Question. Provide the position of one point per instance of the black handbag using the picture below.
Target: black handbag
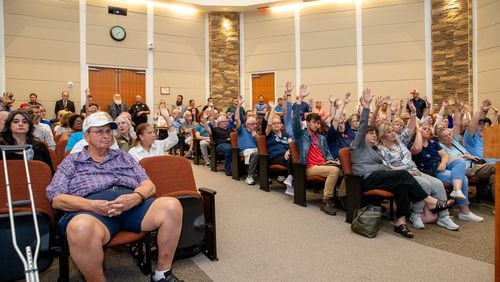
(367, 221)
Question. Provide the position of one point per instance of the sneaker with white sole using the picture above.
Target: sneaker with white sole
(289, 190)
(416, 220)
(289, 180)
(470, 217)
(280, 178)
(447, 223)
(458, 195)
(250, 180)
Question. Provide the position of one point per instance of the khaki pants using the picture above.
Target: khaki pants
(484, 173)
(330, 172)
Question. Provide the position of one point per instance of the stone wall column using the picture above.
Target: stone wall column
(451, 49)
(224, 57)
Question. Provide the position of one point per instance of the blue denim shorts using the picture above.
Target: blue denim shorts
(130, 220)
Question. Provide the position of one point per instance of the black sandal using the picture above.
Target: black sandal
(403, 230)
(442, 205)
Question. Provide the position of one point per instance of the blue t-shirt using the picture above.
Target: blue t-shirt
(201, 129)
(74, 138)
(245, 139)
(429, 158)
(276, 146)
(259, 108)
(475, 145)
(337, 141)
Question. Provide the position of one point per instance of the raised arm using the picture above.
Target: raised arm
(479, 114)
(341, 108)
(272, 112)
(457, 116)
(416, 148)
(237, 118)
(413, 119)
(296, 126)
(388, 116)
(495, 116)
(365, 101)
(378, 103)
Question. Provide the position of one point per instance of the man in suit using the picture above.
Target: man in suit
(64, 103)
(117, 107)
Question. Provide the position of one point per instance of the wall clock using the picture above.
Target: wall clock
(118, 33)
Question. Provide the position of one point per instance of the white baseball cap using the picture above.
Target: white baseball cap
(98, 119)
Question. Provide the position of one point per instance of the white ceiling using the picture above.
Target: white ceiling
(229, 3)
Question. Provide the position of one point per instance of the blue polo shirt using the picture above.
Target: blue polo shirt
(245, 139)
(429, 158)
(276, 146)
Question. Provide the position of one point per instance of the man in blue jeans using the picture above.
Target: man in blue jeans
(220, 134)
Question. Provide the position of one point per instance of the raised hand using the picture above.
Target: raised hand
(87, 92)
(288, 87)
(379, 101)
(367, 97)
(337, 103)
(241, 100)
(388, 100)
(164, 112)
(347, 98)
(331, 100)
(412, 107)
(486, 105)
(494, 109)
(401, 103)
(271, 104)
(303, 92)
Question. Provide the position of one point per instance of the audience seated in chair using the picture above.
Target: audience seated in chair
(201, 134)
(187, 130)
(247, 144)
(314, 152)
(376, 174)
(220, 134)
(105, 191)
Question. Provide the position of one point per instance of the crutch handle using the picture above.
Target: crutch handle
(15, 147)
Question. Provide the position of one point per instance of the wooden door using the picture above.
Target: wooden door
(130, 84)
(262, 84)
(104, 83)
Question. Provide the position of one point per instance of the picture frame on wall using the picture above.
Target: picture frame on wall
(164, 90)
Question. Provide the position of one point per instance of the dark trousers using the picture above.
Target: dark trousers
(226, 149)
(281, 161)
(399, 182)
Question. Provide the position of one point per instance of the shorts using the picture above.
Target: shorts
(129, 220)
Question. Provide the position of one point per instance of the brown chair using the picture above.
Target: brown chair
(40, 176)
(301, 179)
(61, 146)
(235, 163)
(264, 168)
(355, 193)
(214, 155)
(173, 177)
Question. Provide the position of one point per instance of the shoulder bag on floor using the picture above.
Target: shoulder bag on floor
(367, 221)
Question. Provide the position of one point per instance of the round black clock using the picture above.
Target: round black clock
(118, 33)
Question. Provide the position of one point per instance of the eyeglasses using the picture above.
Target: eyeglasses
(101, 132)
(276, 123)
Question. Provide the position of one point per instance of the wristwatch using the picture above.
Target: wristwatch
(142, 196)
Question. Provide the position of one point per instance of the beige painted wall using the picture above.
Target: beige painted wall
(488, 54)
(328, 52)
(179, 56)
(394, 47)
(269, 45)
(42, 48)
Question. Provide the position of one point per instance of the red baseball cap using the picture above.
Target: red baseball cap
(414, 91)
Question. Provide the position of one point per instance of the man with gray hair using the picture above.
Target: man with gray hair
(220, 133)
(247, 144)
(42, 131)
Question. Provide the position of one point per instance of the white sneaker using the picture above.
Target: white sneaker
(470, 217)
(289, 180)
(416, 219)
(289, 190)
(250, 180)
(447, 223)
(458, 195)
(280, 178)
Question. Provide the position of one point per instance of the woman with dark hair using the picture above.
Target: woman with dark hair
(75, 122)
(18, 130)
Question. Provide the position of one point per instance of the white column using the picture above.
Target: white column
(150, 69)
(84, 72)
(207, 59)
(242, 57)
(359, 47)
(475, 84)
(298, 71)
(2, 50)
(428, 49)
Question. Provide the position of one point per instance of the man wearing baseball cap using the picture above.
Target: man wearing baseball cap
(420, 104)
(104, 191)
